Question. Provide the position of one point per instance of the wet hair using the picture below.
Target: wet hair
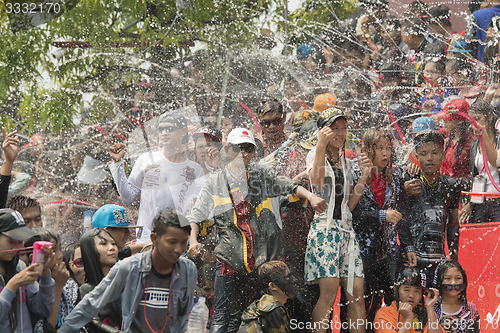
(91, 257)
(270, 105)
(69, 256)
(362, 84)
(439, 277)
(355, 46)
(22, 202)
(435, 52)
(169, 218)
(269, 271)
(484, 108)
(459, 62)
(428, 136)
(42, 234)
(464, 126)
(370, 138)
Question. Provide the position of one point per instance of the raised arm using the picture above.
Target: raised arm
(128, 189)
(317, 172)
(10, 148)
(366, 165)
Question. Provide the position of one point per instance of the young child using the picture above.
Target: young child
(410, 312)
(433, 75)
(454, 312)
(375, 218)
(274, 311)
(431, 208)
(332, 254)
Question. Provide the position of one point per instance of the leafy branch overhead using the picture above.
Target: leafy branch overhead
(42, 85)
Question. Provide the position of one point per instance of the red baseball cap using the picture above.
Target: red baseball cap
(451, 109)
(35, 140)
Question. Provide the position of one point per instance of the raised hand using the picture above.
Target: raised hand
(413, 187)
(117, 151)
(430, 301)
(406, 311)
(365, 164)
(10, 145)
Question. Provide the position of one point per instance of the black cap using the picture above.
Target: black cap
(328, 117)
(12, 225)
(411, 276)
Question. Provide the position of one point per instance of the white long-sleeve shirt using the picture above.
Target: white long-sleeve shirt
(161, 183)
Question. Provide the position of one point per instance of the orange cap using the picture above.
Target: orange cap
(323, 102)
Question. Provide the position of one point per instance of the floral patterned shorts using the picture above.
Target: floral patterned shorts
(327, 253)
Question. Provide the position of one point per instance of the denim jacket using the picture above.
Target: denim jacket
(126, 281)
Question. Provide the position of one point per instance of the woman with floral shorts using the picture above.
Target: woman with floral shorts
(332, 255)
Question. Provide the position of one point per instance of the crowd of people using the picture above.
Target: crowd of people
(271, 214)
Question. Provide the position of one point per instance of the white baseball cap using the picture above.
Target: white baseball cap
(240, 135)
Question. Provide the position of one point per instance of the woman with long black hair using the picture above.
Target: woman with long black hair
(459, 139)
(99, 254)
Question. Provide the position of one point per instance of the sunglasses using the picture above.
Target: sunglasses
(453, 287)
(275, 122)
(78, 262)
(246, 147)
(167, 129)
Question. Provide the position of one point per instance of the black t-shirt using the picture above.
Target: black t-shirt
(429, 216)
(153, 307)
(339, 192)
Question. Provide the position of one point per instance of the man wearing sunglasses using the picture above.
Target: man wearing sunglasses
(164, 178)
(272, 120)
(243, 199)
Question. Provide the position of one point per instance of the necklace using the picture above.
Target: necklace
(169, 304)
(433, 185)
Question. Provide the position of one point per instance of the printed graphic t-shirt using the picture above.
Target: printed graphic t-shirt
(153, 307)
(161, 184)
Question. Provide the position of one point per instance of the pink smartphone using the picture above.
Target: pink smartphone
(38, 255)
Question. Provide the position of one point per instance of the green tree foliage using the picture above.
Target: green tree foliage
(315, 15)
(51, 89)
(40, 92)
